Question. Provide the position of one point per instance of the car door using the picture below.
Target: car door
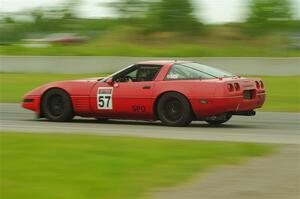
(101, 100)
(130, 96)
(134, 99)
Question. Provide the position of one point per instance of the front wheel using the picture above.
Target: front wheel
(57, 106)
(174, 110)
(219, 119)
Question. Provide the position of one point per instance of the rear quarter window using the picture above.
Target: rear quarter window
(182, 72)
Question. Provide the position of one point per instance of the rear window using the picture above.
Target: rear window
(195, 71)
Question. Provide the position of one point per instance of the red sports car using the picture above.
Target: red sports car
(175, 92)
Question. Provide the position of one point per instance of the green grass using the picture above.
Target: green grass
(142, 50)
(214, 41)
(283, 93)
(85, 166)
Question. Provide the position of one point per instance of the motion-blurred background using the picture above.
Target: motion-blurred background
(177, 28)
(43, 41)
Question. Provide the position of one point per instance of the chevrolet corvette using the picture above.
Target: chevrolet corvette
(174, 92)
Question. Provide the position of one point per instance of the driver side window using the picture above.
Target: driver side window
(132, 75)
(141, 73)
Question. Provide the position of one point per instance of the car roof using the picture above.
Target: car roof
(161, 62)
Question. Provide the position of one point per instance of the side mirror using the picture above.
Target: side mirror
(110, 82)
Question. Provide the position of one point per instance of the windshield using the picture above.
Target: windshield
(110, 76)
(195, 71)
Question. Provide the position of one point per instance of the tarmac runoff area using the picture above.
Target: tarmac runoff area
(101, 64)
(265, 127)
(275, 176)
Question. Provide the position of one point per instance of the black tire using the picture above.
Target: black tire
(57, 106)
(174, 109)
(220, 119)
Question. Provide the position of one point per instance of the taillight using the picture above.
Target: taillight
(230, 87)
(257, 84)
(262, 84)
(236, 86)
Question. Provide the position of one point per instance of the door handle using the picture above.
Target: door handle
(146, 87)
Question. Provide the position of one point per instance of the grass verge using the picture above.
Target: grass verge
(85, 166)
(141, 50)
(282, 92)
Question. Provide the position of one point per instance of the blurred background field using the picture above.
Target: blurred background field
(179, 28)
(86, 166)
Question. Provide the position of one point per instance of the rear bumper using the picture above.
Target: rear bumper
(215, 106)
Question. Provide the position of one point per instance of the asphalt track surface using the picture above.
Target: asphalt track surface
(265, 127)
(105, 64)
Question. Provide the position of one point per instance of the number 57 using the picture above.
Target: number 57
(104, 101)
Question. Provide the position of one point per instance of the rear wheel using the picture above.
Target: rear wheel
(173, 109)
(57, 106)
(219, 119)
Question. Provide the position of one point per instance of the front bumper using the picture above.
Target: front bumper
(31, 102)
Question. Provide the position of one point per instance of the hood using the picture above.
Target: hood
(73, 87)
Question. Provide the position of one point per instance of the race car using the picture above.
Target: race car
(174, 92)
